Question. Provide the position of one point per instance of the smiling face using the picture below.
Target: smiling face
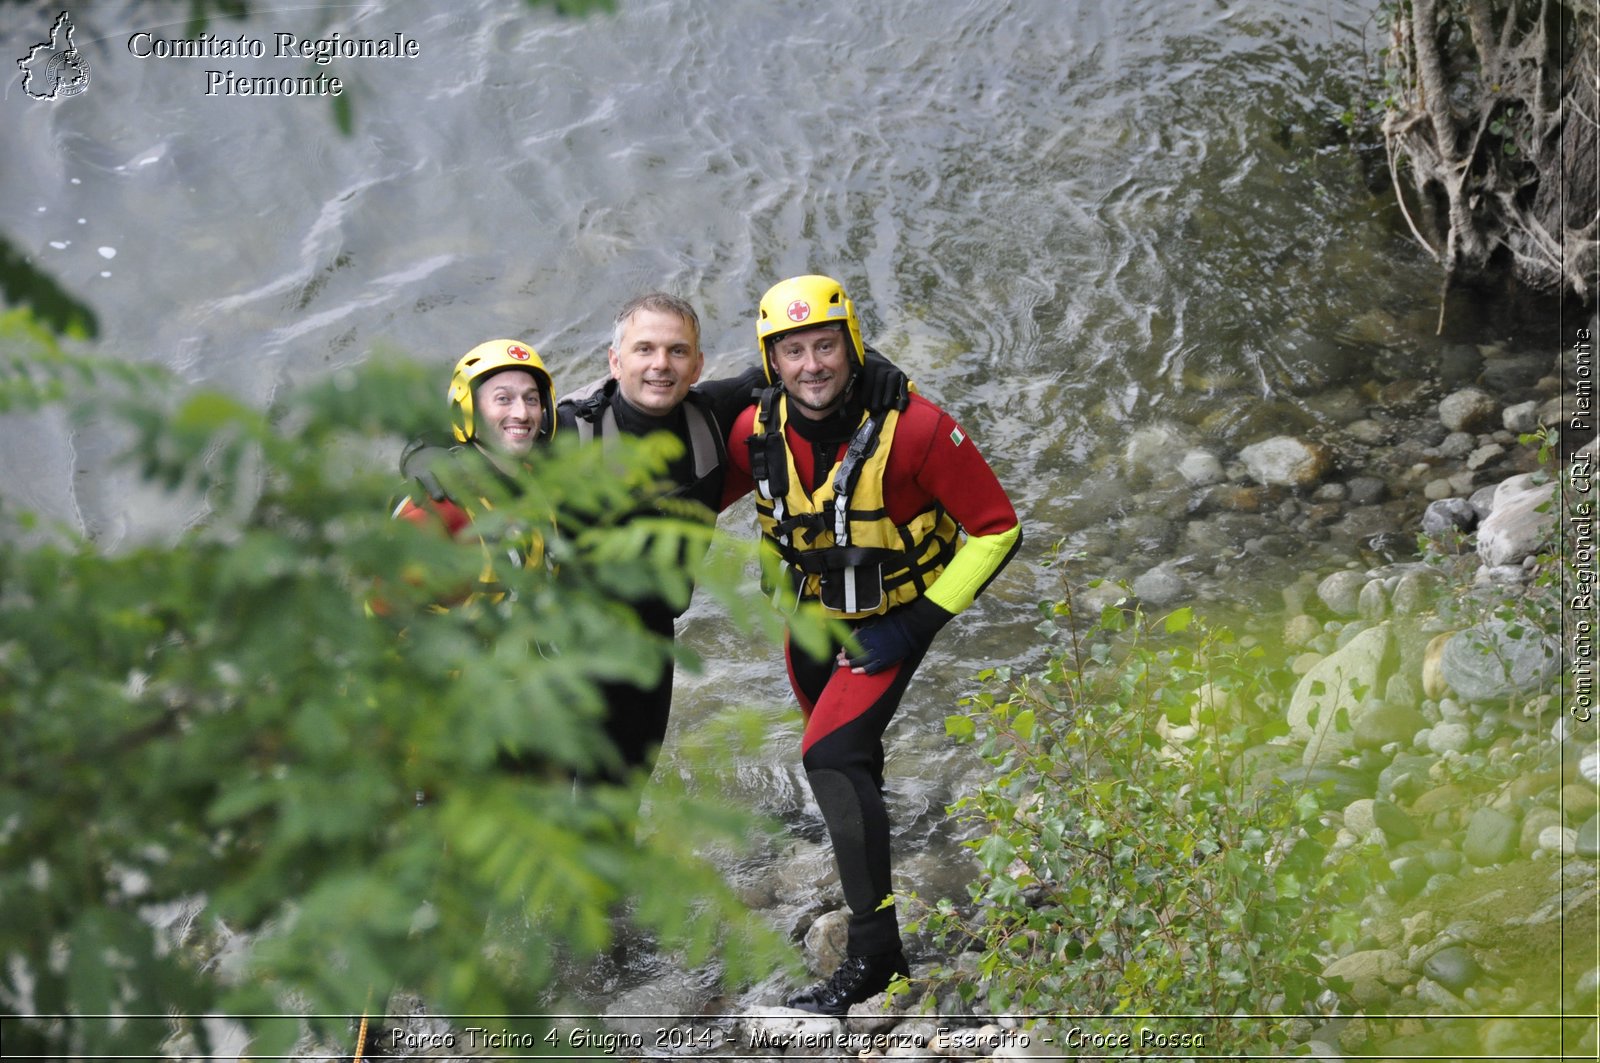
(814, 365)
(510, 411)
(656, 359)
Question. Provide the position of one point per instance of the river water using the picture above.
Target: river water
(1068, 220)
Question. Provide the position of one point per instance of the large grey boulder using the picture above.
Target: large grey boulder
(1449, 515)
(1372, 975)
(1201, 468)
(1523, 417)
(1287, 461)
(1337, 693)
(1467, 410)
(1153, 451)
(825, 941)
(1521, 519)
(1160, 586)
(1496, 659)
(1491, 837)
(1453, 967)
(1341, 591)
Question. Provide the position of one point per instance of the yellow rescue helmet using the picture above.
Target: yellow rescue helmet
(802, 303)
(484, 361)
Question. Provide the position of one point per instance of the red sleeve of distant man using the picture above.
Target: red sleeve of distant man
(736, 480)
(447, 513)
(933, 458)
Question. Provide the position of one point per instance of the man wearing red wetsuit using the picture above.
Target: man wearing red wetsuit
(894, 522)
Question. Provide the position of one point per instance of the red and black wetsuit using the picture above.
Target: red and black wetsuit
(931, 462)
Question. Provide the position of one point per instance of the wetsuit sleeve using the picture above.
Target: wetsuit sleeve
(433, 514)
(408, 510)
(884, 385)
(566, 417)
(978, 563)
(737, 482)
(444, 515)
(955, 473)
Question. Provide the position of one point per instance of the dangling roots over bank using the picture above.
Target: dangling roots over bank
(1493, 115)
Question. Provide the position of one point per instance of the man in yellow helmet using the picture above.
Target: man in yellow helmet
(500, 397)
(892, 521)
(655, 363)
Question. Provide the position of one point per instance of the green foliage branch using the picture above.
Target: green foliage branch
(218, 741)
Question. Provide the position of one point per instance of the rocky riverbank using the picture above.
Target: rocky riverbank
(1429, 705)
(1204, 503)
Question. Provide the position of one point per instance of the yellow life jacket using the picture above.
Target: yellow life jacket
(841, 547)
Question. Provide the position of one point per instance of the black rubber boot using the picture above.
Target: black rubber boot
(857, 979)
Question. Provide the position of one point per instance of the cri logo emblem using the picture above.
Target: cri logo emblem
(799, 310)
(521, 354)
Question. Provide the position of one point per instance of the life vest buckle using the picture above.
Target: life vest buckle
(853, 588)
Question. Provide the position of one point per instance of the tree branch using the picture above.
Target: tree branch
(1431, 79)
(1481, 22)
(1400, 197)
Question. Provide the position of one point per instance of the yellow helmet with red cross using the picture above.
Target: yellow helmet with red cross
(482, 362)
(805, 302)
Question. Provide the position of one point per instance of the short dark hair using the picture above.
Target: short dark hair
(657, 302)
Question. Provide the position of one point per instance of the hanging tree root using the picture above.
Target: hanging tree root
(1495, 119)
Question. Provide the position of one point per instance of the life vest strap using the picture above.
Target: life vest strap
(596, 415)
(769, 462)
(813, 524)
(605, 427)
(836, 558)
(862, 446)
(702, 441)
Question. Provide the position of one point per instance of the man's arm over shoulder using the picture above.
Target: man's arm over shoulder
(727, 396)
(883, 385)
(584, 402)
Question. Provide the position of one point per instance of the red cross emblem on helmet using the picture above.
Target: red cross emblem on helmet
(799, 310)
(519, 353)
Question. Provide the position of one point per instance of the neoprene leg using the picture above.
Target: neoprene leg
(858, 826)
(844, 765)
(636, 718)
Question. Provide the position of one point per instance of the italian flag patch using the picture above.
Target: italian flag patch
(956, 437)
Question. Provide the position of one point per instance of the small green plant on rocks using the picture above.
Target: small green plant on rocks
(1141, 851)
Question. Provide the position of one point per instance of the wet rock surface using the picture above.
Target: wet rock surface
(1214, 497)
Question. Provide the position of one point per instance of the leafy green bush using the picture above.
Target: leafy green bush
(1138, 856)
(238, 723)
